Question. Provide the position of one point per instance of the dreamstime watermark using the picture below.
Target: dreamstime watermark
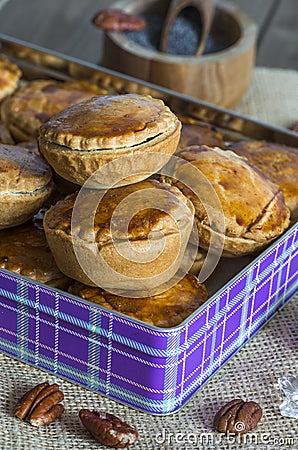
(262, 441)
(122, 263)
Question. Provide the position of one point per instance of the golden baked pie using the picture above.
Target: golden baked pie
(250, 206)
(193, 133)
(142, 242)
(278, 162)
(24, 250)
(167, 309)
(25, 184)
(38, 100)
(83, 138)
(10, 74)
(37, 57)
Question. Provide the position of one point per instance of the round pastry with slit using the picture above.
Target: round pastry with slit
(140, 251)
(165, 310)
(83, 138)
(250, 207)
(25, 184)
(38, 100)
(280, 164)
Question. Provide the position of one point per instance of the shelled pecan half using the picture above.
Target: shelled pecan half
(237, 417)
(41, 405)
(118, 20)
(108, 429)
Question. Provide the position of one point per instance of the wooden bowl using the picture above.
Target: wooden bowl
(220, 77)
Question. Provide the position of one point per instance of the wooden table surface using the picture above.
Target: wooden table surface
(65, 26)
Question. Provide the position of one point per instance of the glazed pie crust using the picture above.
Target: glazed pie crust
(253, 207)
(83, 138)
(38, 100)
(278, 162)
(10, 75)
(167, 309)
(24, 250)
(57, 225)
(25, 184)
(194, 133)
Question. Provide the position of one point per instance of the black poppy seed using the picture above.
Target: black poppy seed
(183, 38)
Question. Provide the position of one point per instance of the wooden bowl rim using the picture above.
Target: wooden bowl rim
(248, 32)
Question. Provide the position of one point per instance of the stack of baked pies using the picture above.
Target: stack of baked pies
(239, 197)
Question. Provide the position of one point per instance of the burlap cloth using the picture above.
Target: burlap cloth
(252, 374)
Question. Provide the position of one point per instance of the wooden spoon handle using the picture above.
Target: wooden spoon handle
(206, 9)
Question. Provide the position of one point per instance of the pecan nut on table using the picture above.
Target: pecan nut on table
(118, 20)
(108, 429)
(41, 405)
(237, 417)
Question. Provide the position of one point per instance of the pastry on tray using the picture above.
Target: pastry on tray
(278, 162)
(83, 138)
(244, 210)
(193, 133)
(24, 250)
(25, 184)
(133, 238)
(38, 100)
(10, 75)
(166, 309)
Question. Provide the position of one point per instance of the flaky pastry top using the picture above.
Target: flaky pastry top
(24, 250)
(277, 161)
(110, 122)
(174, 206)
(22, 170)
(251, 204)
(38, 100)
(167, 309)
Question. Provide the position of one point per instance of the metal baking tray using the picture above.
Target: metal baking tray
(156, 370)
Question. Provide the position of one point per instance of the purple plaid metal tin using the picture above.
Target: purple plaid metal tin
(155, 370)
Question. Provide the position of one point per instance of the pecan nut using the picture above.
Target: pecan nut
(237, 417)
(118, 20)
(41, 405)
(108, 429)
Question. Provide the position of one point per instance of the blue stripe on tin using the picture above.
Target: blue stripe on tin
(56, 338)
(214, 334)
(109, 357)
(170, 376)
(22, 322)
(93, 351)
(248, 289)
(37, 328)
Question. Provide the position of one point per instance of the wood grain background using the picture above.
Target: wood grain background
(65, 26)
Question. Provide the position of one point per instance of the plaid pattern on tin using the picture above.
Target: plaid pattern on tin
(155, 370)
